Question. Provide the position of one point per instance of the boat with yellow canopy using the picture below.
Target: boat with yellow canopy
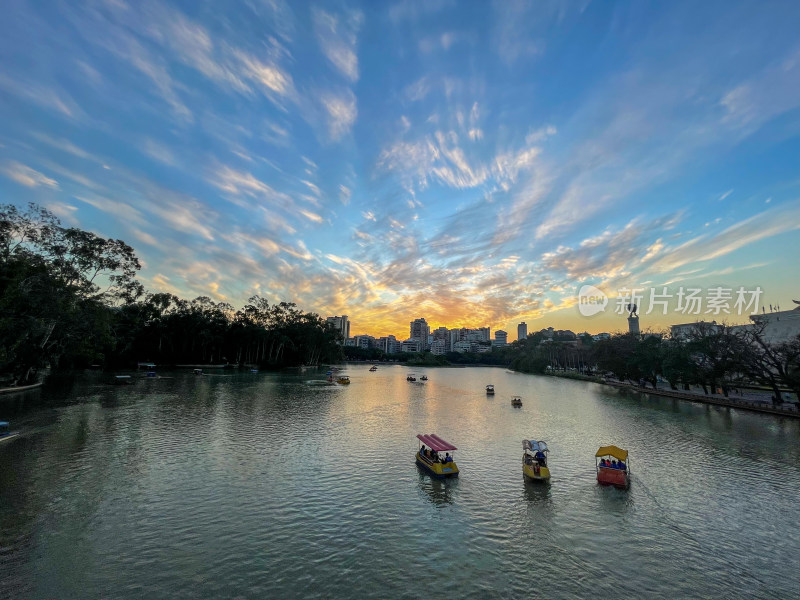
(612, 468)
(534, 460)
(430, 459)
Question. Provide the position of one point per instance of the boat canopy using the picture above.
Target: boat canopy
(617, 453)
(534, 446)
(435, 443)
(3, 423)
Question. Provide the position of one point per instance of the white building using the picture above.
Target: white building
(684, 331)
(462, 346)
(779, 326)
(411, 346)
(438, 347)
(420, 330)
(522, 331)
(389, 344)
(500, 338)
(342, 325)
(363, 341)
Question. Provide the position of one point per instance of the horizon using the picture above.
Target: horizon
(472, 164)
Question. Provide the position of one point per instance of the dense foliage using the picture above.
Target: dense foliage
(69, 298)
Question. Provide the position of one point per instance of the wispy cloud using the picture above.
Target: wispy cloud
(337, 36)
(341, 110)
(25, 175)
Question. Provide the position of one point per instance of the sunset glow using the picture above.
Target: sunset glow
(471, 163)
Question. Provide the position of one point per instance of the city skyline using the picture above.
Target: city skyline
(476, 163)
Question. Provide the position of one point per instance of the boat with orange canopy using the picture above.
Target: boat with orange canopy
(612, 468)
(430, 459)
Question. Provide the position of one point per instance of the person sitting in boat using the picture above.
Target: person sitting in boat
(423, 450)
(615, 464)
(540, 457)
(448, 458)
(621, 466)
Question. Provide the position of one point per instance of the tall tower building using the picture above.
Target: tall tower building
(340, 324)
(420, 330)
(522, 331)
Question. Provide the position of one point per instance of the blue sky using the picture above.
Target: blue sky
(473, 163)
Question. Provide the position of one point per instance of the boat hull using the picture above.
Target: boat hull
(438, 470)
(616, 477)
(530, 473)
(8, 436)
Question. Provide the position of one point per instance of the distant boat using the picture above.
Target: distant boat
(343, 380)
(254, 370)
(123, 380)
(5, 431)
(516, 401)
(411, 377)
(198, 371)
(424, 378)
(490, 390)
(373, 368)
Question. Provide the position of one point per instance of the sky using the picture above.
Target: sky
(471, 163)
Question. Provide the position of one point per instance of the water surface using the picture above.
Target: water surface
(261, 485)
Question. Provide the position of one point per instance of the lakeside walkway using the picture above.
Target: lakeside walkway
(756, 401)
(20, 388)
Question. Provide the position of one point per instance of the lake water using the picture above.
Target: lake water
(261, 485)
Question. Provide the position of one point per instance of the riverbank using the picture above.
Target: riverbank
(785, 409)
(19, 388)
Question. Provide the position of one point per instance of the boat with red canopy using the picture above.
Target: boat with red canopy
(430, 459)
(612, 468)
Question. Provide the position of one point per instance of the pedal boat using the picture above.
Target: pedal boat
(534, 460)
(516, 401)
(619, 478)
(373, 368)
(490, 390)
(343, 380)
(5, 432)
(434, 466)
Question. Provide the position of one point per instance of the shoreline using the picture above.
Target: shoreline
(709, 399)
(20, 388)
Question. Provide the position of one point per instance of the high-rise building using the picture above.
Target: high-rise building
(522, 331)
(441, 333)
(342, 325)
(420, 330)
(500, 338)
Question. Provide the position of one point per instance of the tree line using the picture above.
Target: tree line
(70, 299)
(713, 357)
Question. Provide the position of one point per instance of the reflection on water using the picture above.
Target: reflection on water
(268, 485)
(438, 491)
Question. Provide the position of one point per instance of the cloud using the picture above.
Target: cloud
(27, 176)
(159, 152)
(767, 224)
(341, 112)
(42, 96)
(345, 193)
(311, 216)
(65, 212)
(337, 37)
